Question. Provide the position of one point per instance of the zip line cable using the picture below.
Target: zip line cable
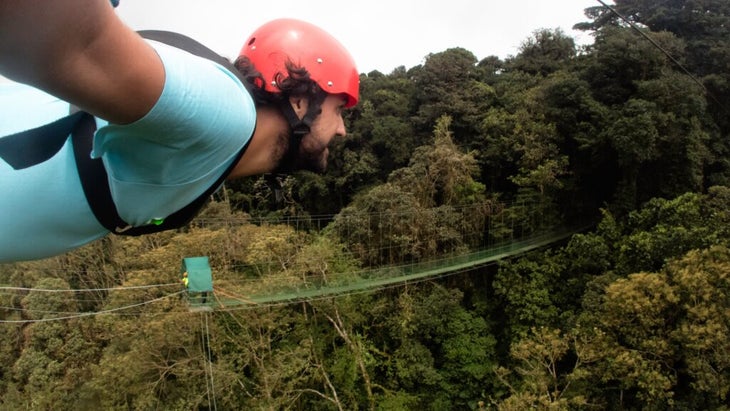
(205, 360)
(25, 310)
(209, 366)
(14, 290)
(74, 313)
(87, 290)
(93, 313)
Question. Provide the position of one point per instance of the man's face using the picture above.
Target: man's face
(313, 149)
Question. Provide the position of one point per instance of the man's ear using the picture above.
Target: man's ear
(300, 105)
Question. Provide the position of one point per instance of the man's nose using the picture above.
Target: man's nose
(341, 130)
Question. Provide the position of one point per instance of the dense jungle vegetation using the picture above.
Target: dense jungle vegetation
(633, 314)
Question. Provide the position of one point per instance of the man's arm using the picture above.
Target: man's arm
(80, 51)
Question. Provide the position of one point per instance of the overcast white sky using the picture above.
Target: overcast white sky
(381, 35)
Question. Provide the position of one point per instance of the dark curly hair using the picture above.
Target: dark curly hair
(295, 83)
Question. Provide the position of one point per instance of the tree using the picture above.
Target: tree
(664, 229)
(56, 355)
(441, 352)
(702, 279)
(661, 335)
(440, 174)
(354, 356)
(386, 225)
(621, 59)
(701, 25)
(542, 381)
(528, 291)
(448, 85)
(545, 52)
(525, 150)
(567, 101)
(431, 207)
(655, 137)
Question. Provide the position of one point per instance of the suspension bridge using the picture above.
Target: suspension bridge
(384, 277)
(488, 237)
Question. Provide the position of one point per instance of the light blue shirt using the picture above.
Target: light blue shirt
(156, 166)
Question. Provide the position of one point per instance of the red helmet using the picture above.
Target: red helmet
(329, 64)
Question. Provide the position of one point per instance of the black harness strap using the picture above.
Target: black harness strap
(176, 220)
(93, 175)
(192, 46)
(32, 147)
(299, 128)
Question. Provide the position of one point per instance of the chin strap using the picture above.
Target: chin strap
(299, 127)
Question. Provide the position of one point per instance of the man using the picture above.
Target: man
(169, 125)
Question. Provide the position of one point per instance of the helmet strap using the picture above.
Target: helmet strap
(298, 127)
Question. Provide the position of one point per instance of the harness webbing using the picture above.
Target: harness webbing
(192, 46)
(31, 147)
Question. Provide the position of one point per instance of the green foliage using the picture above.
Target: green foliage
(631, 342)
(542, 382)
(431, 207)
(544, 52)
(629, 315)
(702, 23)
(654, 332)
(703, 283)
(528, 289)
(443, 352)
(440, 174)
(665, 229)
(447, 85)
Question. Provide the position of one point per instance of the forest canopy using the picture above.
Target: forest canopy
(627, 138)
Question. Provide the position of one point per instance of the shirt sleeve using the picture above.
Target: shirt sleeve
(162, 162)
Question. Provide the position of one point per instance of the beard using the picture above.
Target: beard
(312, 159)
(310, 155)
